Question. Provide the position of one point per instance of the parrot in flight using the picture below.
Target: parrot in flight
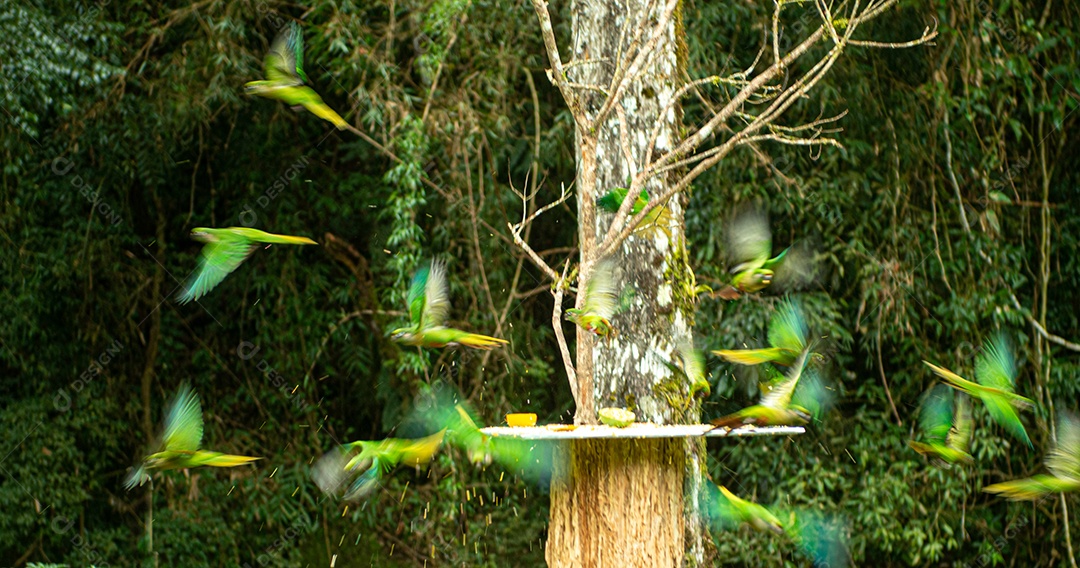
(179, 445)
(284, 70)
(1063, 462)
(777, 408)
(788, 336)
(946, 431)
(223, 253)
(428, 303)
(749, 246)
(376, 458)
(690, 363)
(995, 371)
(600, 304)
(613, 200)
(731, 512)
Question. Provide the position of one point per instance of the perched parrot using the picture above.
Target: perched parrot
(776, 408)
(600, 303)
(376, 458)
(1063, 462)
(947, 432)
(731, 512)
(179, 445)
(788, 336)
(995, 370)
(429, 303)
(749, 245)
(613, 200)
(223, 253)
(284, 69)
(690, 363)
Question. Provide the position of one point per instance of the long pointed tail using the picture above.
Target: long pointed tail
(478, 341)
(287, 240)
(326, 113)
(227, 460)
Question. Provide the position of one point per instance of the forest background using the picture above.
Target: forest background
(948, 215)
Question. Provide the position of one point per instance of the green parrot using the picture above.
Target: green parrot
(820, 537)
(376, 458)
(731, 512)
(776, 408)
(749, 245)
(284, 69)
(600, 303)
(613, 200)
(429, 303)
(788, 336)
(995, 371)
(223, 253)
(179, 445)
(1063, 462)
(946, 432)
(690, 364)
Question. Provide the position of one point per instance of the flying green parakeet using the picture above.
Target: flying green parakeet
(179, 445)
(749, 246)
(600, 303)
(429, 303)
(777, 408)
(946, 432)
(223, 253)
(1063, 462)
(375, 458)
(730, 512)
(690, 363)
(284, 69)
(788, 336)
(613, 200)
(995, 371)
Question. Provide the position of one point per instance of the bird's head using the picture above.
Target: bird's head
(402, 334)
(572, 314)
(201, 234)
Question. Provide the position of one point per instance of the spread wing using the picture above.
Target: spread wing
(787, 329)
(935, 415)
(960, 433)
(1064, 460)
(780, 395)
(219, 258)
(600, 297)
(284, 61)
(183, 422)
(416, 298)
(995, 366)
(749, 240)
(437, 296)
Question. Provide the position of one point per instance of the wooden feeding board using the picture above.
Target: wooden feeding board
(635, 430)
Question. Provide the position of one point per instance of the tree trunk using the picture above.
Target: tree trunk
(630, 502)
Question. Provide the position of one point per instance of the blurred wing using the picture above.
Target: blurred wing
(184, 423)
(693, 361)
(749, 240)
(811, 394)
(1003, 412)
(415, 299)
(419, 451)
(329, 472)
(995, 366)
(437, 297)
(787, 329)
(219, 259)
(960, 433)
(750, 356)
(935, 415)
(600, 297)
(280, 64)
(780, 396)
(296, 43)
(1064, 459)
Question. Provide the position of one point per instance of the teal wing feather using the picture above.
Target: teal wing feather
(787, 329)
(296, 42)
(995, 366)
(184, 422)
(959, 435)
(416, 298)
(218, 259)
(935, 415)
(280, 64)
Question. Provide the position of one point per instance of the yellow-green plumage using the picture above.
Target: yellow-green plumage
(788, 336)
(429, 305)
(373, 460)
(179, 446)
(285, 77)
(599, 304)
(729, 511)
(1063, 462)
(995, 372)
(225, 250)
(946, 432)
(776, 408)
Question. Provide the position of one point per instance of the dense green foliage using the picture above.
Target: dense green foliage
(125, 125)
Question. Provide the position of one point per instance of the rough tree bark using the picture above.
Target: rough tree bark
(621, 502)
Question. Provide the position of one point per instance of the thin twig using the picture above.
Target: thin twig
(556, 324)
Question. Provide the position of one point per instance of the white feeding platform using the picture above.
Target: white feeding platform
(635, 430)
